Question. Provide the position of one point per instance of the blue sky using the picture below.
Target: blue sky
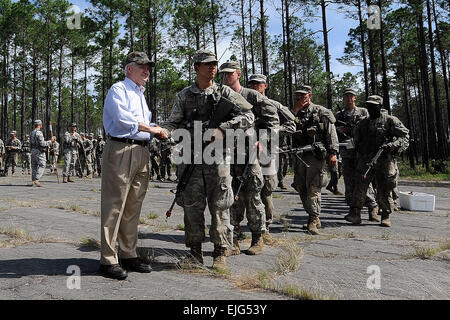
(336, 21)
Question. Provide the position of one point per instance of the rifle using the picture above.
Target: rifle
(373, 161)
(54, 151)
(219, 111)
(348, 144)
(299, 151)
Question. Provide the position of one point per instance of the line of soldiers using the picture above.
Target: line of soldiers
(82, 154)
(309, 133)
(160, 161)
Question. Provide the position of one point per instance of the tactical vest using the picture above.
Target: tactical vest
(374, 134)
(35, 142)
(311, 127)
(26, 147)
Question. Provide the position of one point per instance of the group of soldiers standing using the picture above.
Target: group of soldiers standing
(367, 139)
(82, 154)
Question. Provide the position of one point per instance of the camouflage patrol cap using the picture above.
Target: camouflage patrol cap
(230, 66)
(304, 89)
(82, 134)
(350, 91)
(73, 124)
(258, 78)
(36, 122)
(100, 136)
(91, 135)
(204, 56)
(375, 99)
(139, 58)
(13, 132)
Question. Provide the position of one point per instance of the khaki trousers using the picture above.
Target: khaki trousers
(124, 184)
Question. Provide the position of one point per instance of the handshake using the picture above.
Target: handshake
(159, 133)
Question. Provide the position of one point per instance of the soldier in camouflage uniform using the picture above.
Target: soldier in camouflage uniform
(54, 154)
(86, 156)
(165, 148)
(2, 153)
(154, 156)
(13, 147)
(315, 126)
(249, 201)
(93, 153)
(71, 142)
(210, 183)
(39, 148)
(26, 155)
(346, 121)
(378, 132)
(287, 126)
(98, 154)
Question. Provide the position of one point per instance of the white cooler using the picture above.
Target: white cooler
(417, 201)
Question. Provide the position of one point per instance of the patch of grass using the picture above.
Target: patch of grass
(277, 196)
(90, 242)
(77, 208)
(425, 253)
(419, 173)
(156, 186)
(152, 215)
(142, 220)
(180, 227)
(385, 236)
(289, 260)
(16, 233)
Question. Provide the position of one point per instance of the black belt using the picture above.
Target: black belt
(143, 143)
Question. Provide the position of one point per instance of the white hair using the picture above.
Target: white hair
(130, 64)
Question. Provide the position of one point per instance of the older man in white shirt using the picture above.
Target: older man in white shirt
(127, 122)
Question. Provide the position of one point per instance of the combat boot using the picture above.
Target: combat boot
(354, 216)
(89, 176)
(235, 250)
(312, 225)
(36, 183)
(281, 185)
(70, 179)
(337, 192)
(64, 179)
(194, 259)
(373, 214)
(257, 244)
(219, 259)
(196, 252)
(267, 237)
(385, 221)
(317, 222)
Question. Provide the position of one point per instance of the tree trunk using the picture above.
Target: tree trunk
(15, 92)
(372, 68)
(385, 84)
(441, 143)
(285, 65)
(213, 23)
(252, 53)
(244, 48)
(443, 64)
(265, 59)
(288, 49)
(363, 50)
(327, 55)
(48, 93)
(60, 73)
(426, 85)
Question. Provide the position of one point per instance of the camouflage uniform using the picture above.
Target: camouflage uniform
(349, 156)
(13, 147)
(26, 155)
(39, 148)
(99, 153)
(371, 134)
(154, 155)
(314, 124)
(209, 184)
(54, 155)
(86, 157)
(250, 201)
(70, 150)
(165, 164)
(2, 153)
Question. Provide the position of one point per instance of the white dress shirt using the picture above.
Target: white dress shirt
(124, 107)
